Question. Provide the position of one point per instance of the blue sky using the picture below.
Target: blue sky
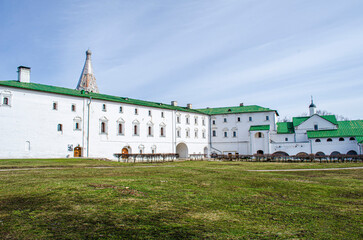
(208, 53)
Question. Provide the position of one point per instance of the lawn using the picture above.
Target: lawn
(179, 200)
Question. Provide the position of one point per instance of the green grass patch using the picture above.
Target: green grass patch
(179, 200)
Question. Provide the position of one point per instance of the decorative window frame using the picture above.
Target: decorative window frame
(105, 121)
(204, 133)
(6, 94)
(162, 126)
(178, 117)
(122, 122)
(178, 132)
(187, 119)
(77, 120)
(150, 124)
(137, 124)
(187, 133)
(196, 133)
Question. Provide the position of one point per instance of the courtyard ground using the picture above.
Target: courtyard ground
(93, 199)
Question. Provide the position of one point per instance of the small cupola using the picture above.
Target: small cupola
(312, 107)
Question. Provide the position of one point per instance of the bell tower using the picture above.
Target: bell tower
(87, 81)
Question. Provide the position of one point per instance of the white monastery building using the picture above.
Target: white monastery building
(41, 121)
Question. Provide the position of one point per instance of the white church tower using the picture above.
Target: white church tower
(87, 81)
(312, 107)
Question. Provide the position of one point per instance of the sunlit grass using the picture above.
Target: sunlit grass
(180, 200)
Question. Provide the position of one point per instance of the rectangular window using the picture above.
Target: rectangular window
(187, 120)
(225, 134)
(214, 133)
(250, 119)
(224, 119)
(104, 107)
(195, 121)
(286, 139)
(73, 108)
(76, 126)
(203, 122)
(203, 134)
(149, 113)
(316, 127)
(267, 118)
(178, 119)
(196, 134)
(234, 134)
(136, 111)
(214, 122)
(178, 133)
(238, 119)
(55, 106)
(162, 114)
(120, 109)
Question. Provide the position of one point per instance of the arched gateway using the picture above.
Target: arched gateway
(182, 150)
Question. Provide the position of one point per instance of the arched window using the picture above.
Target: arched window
(162, 131)
(76, 127)
(352, 139)
(259, 135)
(60, 128)
(6, 101)
(329, 140)
(55, 106)
(136, 130)
(317, 140)
(320, 154)
(341, 139)
(103, 127)
(352, 152)
(149, 129)
(120, 129)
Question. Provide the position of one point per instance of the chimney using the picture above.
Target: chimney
(174, 103)
(241, 104)
(24, 74)
(189, 106)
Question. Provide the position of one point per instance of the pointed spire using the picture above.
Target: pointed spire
(87, 81)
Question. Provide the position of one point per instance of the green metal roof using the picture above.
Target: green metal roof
(299, 120)
(359, 139)
(260, 128)
(77, 93)
(345, 129)
(285, 128)
(238, 109)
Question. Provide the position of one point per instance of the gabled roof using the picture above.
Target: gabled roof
(238, 109)
(260, 128)
(299, 120)
(285, 128)
(83, 94)
(345, 129)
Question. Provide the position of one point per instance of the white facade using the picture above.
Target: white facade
(38, 121)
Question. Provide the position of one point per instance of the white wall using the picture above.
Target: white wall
(30, 118)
